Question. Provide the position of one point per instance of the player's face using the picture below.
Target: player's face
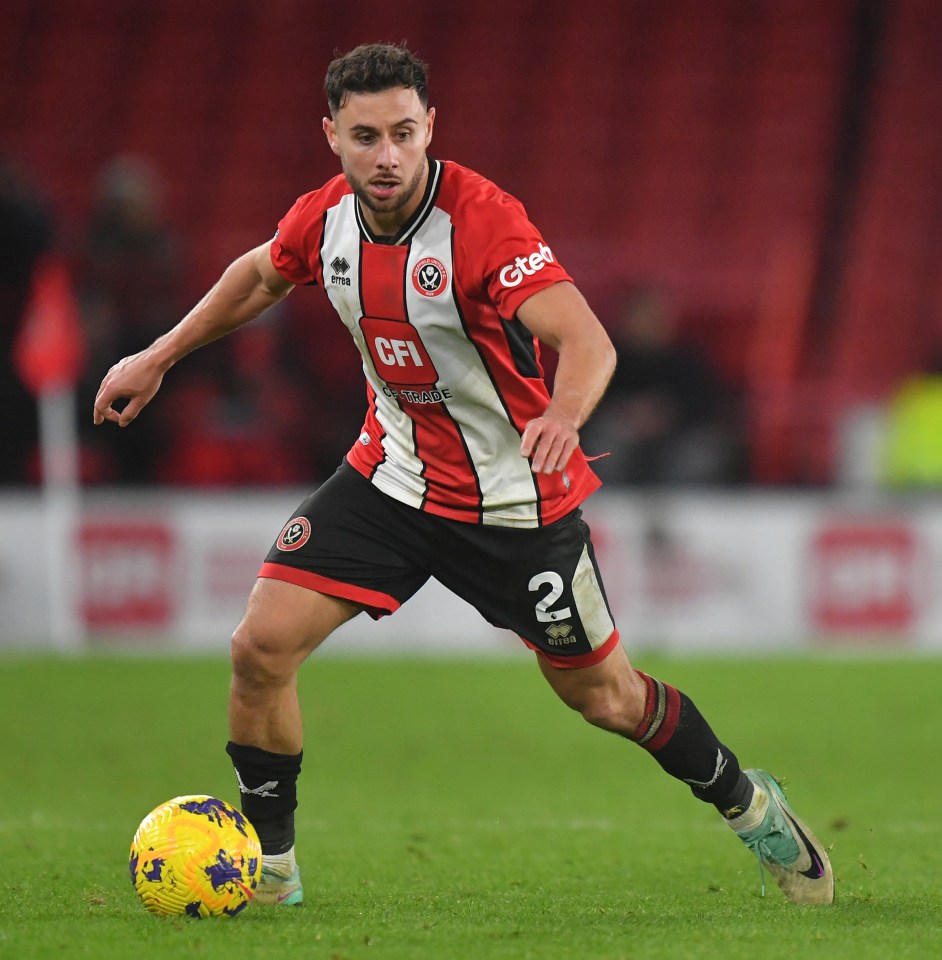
(381, 139)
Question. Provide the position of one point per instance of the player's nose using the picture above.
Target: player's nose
(388, 156)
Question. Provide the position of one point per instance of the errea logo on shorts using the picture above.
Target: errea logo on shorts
(512, 275)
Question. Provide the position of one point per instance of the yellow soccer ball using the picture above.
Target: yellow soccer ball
(195, 856)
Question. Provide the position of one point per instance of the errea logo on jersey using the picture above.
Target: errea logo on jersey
(512, 275)
(340, 266)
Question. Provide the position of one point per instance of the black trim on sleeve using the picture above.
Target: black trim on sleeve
(522, 348)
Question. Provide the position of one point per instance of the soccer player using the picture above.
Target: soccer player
(466, 469)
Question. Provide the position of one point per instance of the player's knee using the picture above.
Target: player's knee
(605, 710)
(614, 708)
(257, 660)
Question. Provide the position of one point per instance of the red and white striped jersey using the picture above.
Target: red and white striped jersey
(452, 376)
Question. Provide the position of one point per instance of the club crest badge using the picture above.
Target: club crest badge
(294, 534)
(429, 277)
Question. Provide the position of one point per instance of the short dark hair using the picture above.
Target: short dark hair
(372, 68)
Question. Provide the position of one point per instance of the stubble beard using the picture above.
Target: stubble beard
(394, 203)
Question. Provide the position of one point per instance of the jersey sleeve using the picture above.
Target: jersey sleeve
(294, 248)
(514, 259)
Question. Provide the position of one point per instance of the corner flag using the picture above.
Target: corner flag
(49, 351)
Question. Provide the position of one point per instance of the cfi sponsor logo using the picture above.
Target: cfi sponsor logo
(430, 277)
(512, 275)
(294, 534)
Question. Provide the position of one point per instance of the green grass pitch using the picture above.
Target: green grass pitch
(455, 810)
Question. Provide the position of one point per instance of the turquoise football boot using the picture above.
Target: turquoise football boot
(278, 889)
(783, 844)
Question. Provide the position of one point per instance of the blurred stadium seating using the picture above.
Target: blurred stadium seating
(683, 143)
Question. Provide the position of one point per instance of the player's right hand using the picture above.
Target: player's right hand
(136, 379)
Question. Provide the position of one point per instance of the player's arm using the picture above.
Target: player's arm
(248, 287)
(560, 317)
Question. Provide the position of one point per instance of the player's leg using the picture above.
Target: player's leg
(283, 624)
(545, 585)
(665, 722)
(347, 548)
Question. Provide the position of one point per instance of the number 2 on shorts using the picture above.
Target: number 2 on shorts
(544, 613)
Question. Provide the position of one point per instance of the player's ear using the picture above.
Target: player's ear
(330, 131)
(429, 123)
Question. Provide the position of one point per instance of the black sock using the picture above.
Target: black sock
(268, 783)
(675, 733)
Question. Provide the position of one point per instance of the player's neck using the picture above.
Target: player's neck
(384, 226)
(388, 225)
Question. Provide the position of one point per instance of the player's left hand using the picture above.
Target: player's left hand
(550, 442)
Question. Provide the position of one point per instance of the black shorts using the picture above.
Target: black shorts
(350, 540)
